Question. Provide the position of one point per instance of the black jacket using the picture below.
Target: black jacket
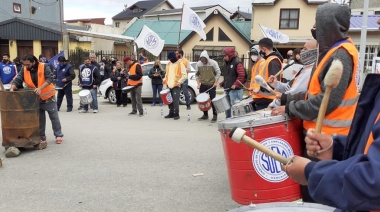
(156, 80)
(119, 84)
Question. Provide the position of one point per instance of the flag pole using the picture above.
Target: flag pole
(180, 26)
(273, 45)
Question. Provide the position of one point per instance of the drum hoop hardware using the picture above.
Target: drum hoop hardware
(251, 128)
(224, 131)
(286, 123)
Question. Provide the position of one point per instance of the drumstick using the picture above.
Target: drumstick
(238, 135)
(260, 80)
(331, 80)
(242, 85)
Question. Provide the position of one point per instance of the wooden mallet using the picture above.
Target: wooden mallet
(238, 135)
(331, 80)
(260, 80)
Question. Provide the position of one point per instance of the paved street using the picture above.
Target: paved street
(114, 162)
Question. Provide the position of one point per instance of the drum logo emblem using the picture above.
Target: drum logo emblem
(7, 70)
(268, 168)
(169, 98)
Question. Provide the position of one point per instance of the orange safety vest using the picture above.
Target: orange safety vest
(339, 120)
(264, 72)
(370, 138)
(177, 72)
(48, 91)
(132, 71)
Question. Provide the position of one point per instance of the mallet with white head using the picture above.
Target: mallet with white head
(260, 80)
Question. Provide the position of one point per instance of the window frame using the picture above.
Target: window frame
(18, 5)
(289, 19)
(117, 24)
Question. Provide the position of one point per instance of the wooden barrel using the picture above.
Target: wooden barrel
(19, 118)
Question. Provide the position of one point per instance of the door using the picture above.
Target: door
(49, 48)
(24, 47)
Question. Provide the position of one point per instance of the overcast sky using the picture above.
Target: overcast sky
(75, 9)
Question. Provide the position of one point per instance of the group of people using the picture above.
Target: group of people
(340, 165)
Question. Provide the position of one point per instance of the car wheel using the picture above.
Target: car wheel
(112, 96)
(182, 99)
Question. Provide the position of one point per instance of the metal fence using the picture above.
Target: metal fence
(76, 56)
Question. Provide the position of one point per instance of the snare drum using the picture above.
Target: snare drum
(166, 97)
(7, 87)
(85, 97)
(242, 107)
(127, 89)
(285, 207)
(204, 102)
(254, 176)
(221, 103)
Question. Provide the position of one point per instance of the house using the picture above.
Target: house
(372, 39)
(21, 36)
(28, 9)
(85, 22)
(294, 18)
(138, 9)
(175, 14)
(357, 7)
(241, 16)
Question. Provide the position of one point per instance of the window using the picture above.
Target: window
(210, 35)
(377, 12)
(117, 24)
(289, 18)
(136, 10)
(16, 8)
(223, 36)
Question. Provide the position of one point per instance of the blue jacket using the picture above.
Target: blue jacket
(351, 181)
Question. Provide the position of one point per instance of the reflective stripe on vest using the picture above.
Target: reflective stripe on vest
(370, 138)
(132, 71)
(264, 72)
(177, 72)
(48, 91)
(339, 120)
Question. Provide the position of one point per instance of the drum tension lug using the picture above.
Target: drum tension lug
(251, 129)
(286, 124)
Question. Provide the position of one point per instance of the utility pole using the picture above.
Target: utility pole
(363, 40)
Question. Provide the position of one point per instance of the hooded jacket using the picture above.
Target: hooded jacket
(233, 70)
(332, 24)
(203, 68)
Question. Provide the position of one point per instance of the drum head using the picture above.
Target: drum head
(250, 120)
(165, 91)
(285, 207)
(202, 97)
(218, 97)
(84, 92)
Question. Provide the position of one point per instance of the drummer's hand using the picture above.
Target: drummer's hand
(272, 80)
(278, 111)
(37, 91)
(317, 141)
(233, 87)
(94, 86)
(215, 84)
(278, 95)
(64, 80)
(296, 169)
(198, 86)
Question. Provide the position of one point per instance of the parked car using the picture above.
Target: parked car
(108, 92)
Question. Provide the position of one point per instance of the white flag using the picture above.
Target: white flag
(274, 35)
(150, 41)
(191, 21)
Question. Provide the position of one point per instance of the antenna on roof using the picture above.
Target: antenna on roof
(125, 7)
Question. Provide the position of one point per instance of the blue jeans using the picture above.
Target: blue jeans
(94, 104)
(186, 91)
(156, 89)
(66, 91)
(234, 95)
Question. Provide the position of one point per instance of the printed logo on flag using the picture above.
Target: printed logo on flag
(56, 63)
(268, 168)
(194, 22)
(151, 41)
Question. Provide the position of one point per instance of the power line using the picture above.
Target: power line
(45, 4)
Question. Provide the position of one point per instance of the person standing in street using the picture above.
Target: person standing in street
(89, 79)
(156, 73)
(175, 75)
(135, 79)
(8, 70)
(234, 75)
(38, 76)
(208, 73)
(64, 76)
(184, 86)
(119, 77)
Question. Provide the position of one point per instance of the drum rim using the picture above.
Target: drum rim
(230, 123)
(254, 207)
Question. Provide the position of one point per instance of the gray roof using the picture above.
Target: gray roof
(146, 6)
(180, 10)
(26, 29)
(246, 16)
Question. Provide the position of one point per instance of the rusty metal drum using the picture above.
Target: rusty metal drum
(19, 118)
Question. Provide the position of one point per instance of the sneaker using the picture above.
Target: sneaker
(41, 145)
(133, 113)
(141, 115)
(124, 105)
(83, 111)
(153, 104)
(170, 115)
(188, 107)
(214, 119)
(58, 140)
(95, 111)
(69, 110)
(176, 117)
(118, 105)
(203, 118)
(160, 104)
